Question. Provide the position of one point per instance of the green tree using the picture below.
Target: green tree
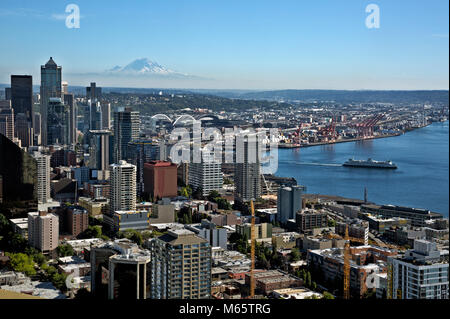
(295, 254)
(213, 195)
(17, 243)
(132, 235)
(65, 250)
(59, 280)
(91, 232)
(222, 203)
(21, 262)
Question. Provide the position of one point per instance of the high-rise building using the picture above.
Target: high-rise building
(7, 119)
(23, 130)
(77, 220)
(43, 177)
(207, 176)
(93, 92)
(95, 121)
(126, 129)
(120, 270)
(22, 95)
(106, 115)
(58, 126)
(19, 173)
(289, 202)
(43, 231)
(143, 151)
(37, 129)
(70, 102)
(100, 150)
(180, 266)
(64, 87)
(123, 187)
(247, 172)
(50, 87)
(421, 273)
(160, 179)
(7, 93)
(183, 172)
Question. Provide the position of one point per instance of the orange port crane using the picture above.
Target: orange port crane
(346, 265)
(365, 128)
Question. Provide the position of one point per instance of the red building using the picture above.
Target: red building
(160, 179)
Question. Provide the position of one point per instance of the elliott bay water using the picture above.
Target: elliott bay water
(421, 180)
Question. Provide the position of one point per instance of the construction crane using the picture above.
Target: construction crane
(346, 265)
(252, 252)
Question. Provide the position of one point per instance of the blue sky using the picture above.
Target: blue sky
(235, 44)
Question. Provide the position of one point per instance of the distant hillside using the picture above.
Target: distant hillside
(289, 96)
(343, 96)
(172, 101)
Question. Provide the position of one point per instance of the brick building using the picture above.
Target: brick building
(160, 179)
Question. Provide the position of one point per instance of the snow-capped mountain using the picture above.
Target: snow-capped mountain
(145, 66)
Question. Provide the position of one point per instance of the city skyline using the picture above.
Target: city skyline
(269, 46)
(254, 151)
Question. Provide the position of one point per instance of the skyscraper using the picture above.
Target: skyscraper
(207, 176)
(180, 266)
(37, 129)
(23, 130)
(70, 102)
(106, 115)
(95, 118)
(58, 122)
(421, 273)
(7, 93)
(50, 87)
(93, 92)
(43, 231)
(247, 172)
(143, 151)
(126, 129)
(99, 151)
(289, 202)
(43, 177)
(123, 187)
(19, 173)
(7, 119)
(22, 95)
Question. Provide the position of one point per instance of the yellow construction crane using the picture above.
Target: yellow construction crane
(252, 252)
(346, 265)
